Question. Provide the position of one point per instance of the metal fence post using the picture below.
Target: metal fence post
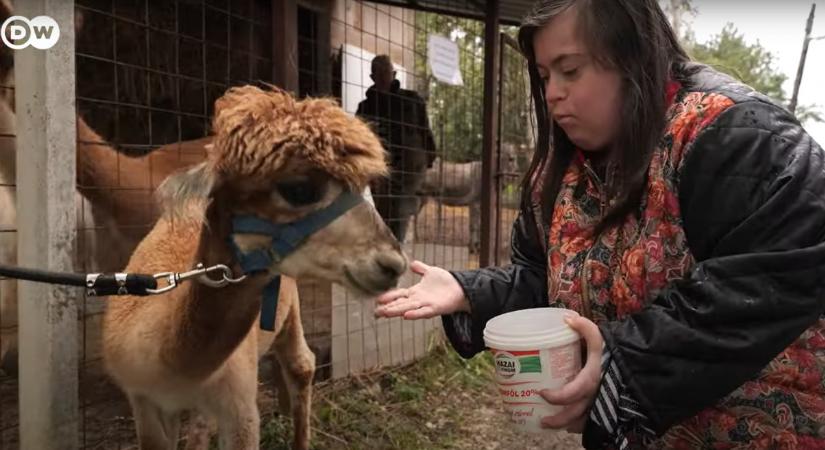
(46, 136)
(489, 166)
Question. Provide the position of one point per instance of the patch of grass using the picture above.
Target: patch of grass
(423, 405)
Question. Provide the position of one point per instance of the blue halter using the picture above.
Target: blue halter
(286, 238)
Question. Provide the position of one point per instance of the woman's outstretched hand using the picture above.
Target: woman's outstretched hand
(437, 293)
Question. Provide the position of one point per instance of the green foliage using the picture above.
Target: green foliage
(750, 63)
(809, 113)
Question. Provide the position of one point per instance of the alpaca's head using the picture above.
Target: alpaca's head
(280, 159)
(268, 134)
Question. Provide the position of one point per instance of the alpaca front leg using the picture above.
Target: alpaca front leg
(171, 423)
(298, 368)
(231, 400)
(200, 432)
(278, 380)
(156, 429)
(240, 430)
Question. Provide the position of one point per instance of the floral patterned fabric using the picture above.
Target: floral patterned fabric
(609, 276)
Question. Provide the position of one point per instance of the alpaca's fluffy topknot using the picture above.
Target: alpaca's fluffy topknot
(263, 133)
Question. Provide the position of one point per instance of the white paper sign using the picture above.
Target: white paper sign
(442, 55)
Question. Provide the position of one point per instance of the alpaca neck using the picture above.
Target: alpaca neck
(120, 189)
(121, 215)
(97, 162)
(122, 185)
(212, 322)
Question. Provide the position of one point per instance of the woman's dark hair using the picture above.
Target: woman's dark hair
(634, 38)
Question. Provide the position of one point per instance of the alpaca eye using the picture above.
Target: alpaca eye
(299, 193)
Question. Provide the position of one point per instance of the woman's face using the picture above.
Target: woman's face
(583, 98)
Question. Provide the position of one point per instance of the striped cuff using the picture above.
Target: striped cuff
(463, 326)
(615, 412)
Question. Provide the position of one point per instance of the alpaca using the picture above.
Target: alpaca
(460, 184)
(196, 347)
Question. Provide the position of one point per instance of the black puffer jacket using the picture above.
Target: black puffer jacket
(752, 197)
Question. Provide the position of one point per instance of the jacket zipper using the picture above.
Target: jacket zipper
(585, 274)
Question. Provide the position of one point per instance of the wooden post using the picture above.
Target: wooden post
(489, 181)
(798, 81)
(285, 44)
(48, 314)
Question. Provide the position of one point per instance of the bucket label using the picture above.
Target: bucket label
(506, 365)
(521, 375)
(509, 364)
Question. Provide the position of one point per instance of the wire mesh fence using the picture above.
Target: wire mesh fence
(359, 32)
(517, 136)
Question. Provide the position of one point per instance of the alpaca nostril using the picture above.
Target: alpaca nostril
(392, 265)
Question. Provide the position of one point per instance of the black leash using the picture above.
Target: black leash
(102, 285)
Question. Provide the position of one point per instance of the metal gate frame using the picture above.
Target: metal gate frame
(507, 42)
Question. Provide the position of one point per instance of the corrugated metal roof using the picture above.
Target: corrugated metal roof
(511, 11)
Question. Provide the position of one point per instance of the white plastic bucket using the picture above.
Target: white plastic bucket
(533, 349)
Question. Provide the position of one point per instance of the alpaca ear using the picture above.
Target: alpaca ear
(198, 184)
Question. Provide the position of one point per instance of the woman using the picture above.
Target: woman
(682, 215)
